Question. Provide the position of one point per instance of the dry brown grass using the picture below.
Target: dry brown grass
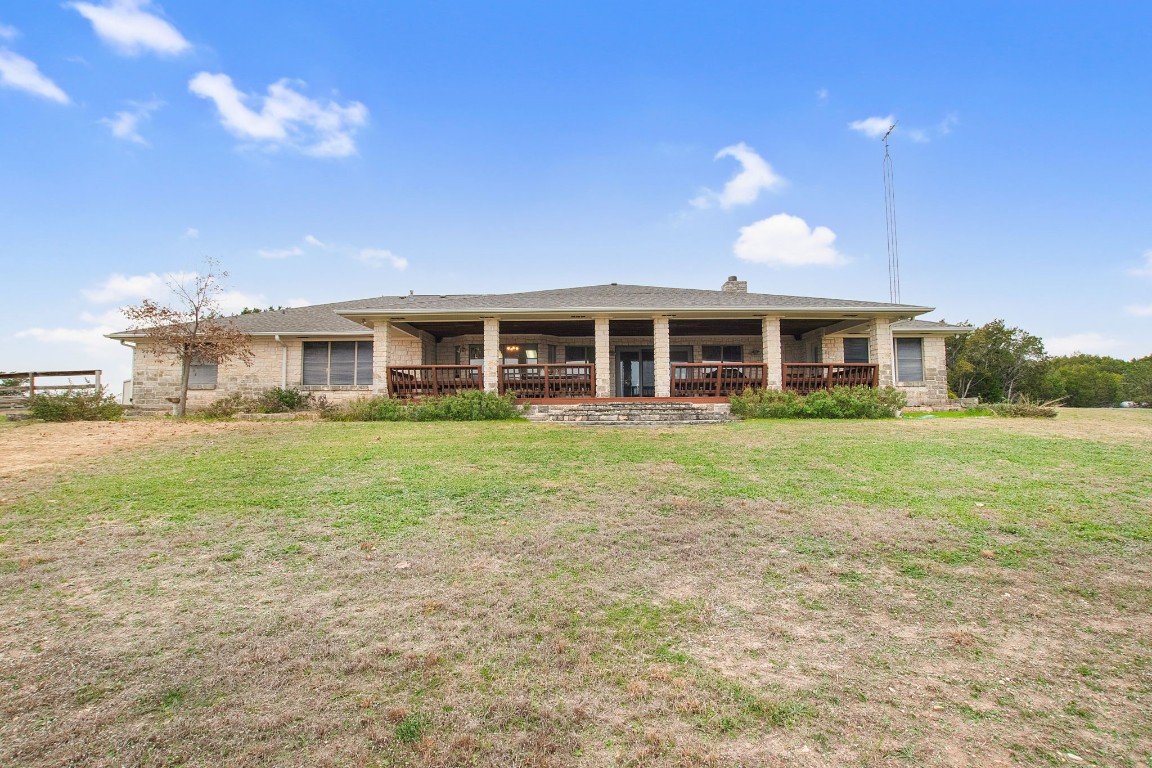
(647, 629)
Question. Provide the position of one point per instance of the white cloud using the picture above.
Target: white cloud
(280, 253)
(191, 233)
(119, 287)
(231, 302)
(822, 95)
(873, 127)
(1087, 343)
(1139, 311)
(876, 127)
(743, 188)
(376, 257)
(316, 242)
(944, 127)
(285, 117)
(128, 27)
(133, 288)
(8, 33)
(23, 75)
(1146, 270)
(297, 302)
(91, 339)
(124, 125)
(787, 241)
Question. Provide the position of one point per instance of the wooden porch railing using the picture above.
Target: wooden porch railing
(548, 380)
(809, 377)
(717, 379)
(411, 381)
(25, 385)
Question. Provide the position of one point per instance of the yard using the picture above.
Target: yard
(933, 592)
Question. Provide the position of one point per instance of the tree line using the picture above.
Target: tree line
(999, 363)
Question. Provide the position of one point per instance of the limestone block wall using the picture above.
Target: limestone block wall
(933, 391)
(833, 348)
(156, 378)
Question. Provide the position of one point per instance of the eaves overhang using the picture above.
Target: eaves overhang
(396, 314)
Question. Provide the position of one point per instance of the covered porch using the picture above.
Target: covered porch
(572, 382)
(579, 358)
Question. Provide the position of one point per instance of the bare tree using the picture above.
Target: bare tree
(192, 329)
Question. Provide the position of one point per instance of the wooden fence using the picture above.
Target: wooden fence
(25, 384)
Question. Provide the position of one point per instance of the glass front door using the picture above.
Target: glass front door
(636, 372)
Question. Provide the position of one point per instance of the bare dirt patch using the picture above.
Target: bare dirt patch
(39, 451)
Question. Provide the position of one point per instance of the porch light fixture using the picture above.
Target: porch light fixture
(512, 348)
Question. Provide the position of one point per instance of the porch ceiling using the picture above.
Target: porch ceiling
(585, 328)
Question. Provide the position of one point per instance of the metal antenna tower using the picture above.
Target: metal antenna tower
(890, 222)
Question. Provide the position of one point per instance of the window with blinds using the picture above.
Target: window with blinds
(856, 350)
(202, 374)
(909, 360)
(337, 363)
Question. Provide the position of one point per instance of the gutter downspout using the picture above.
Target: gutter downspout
(283, 363)
(132, 347)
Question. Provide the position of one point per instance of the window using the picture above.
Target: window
(909, 360)
(579, 354)
(727, 354)
(679, 354)
(337, 363)
(471, 354)
(520, 353)
(202, 374)
(856, 350)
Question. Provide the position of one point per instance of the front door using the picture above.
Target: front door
(636, 372)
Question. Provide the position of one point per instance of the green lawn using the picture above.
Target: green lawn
(914, 592)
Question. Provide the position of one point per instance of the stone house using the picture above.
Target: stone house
(570, 344)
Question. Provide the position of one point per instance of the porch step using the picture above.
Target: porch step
(617, 414)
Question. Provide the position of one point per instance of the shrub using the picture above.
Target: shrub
(834, 403)
(466, 406)
(75, 405)
(1026, 408)
(275, 400)
(280, 400)
(227, 406)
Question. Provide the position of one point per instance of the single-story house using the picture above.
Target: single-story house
(570, 344)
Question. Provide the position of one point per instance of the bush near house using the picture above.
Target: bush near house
(834, 403)
(466, 406)
(75, 405)
(274, 400)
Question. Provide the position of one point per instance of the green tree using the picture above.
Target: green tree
(1137, 385)
(995, 362)
(1084, 381)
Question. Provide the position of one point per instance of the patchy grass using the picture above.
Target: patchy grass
(929, 592)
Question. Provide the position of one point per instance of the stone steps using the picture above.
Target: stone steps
(617, 414)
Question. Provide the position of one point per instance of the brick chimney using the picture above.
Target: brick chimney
(735, 286)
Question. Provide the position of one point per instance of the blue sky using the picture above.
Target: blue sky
(338, 150)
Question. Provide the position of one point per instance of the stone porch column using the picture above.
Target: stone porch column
(603, 358)
(773, 352)
(880, 350)
(381, 331)
(661, 357)
(491, 354)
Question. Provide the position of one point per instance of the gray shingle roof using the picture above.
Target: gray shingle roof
(618, 297)
(324, 318)
(931, 326)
